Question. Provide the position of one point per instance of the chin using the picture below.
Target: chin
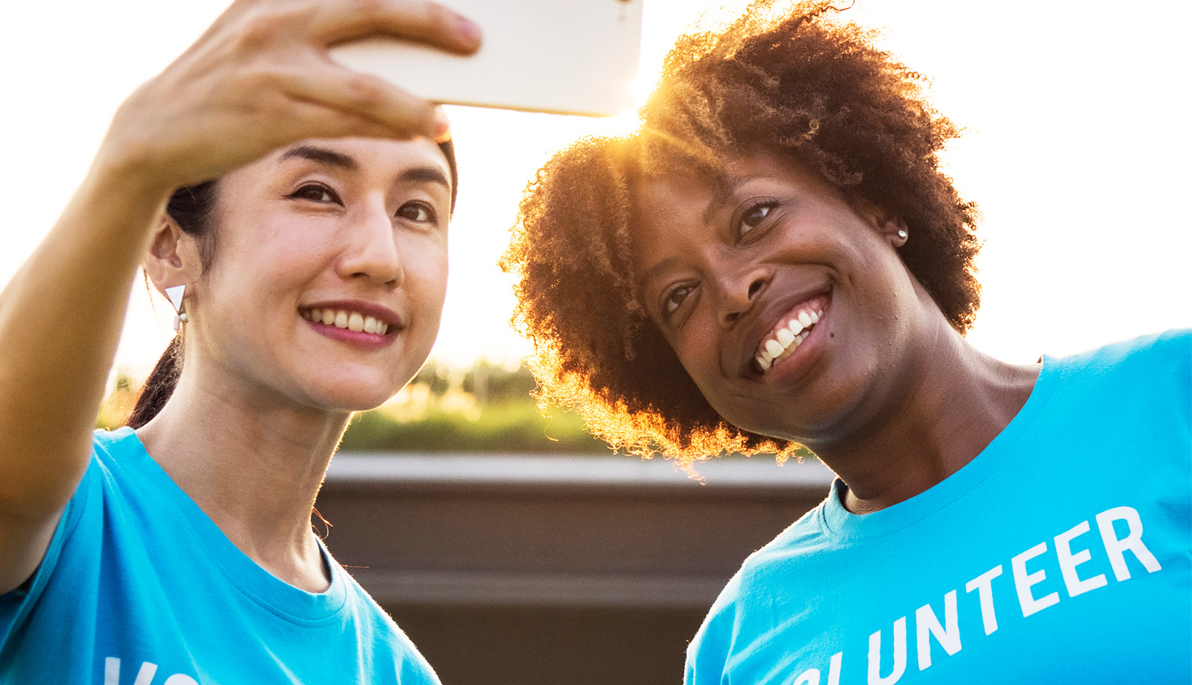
(351, 396)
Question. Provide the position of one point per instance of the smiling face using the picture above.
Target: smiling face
(787, 305)
(329, 274)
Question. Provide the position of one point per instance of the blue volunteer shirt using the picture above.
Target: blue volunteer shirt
(140, 587)
(1060, 554)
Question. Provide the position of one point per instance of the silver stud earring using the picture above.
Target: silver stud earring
(175, 296)
(902, 233)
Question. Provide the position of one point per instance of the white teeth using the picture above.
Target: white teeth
(353, 321)
(773, 348)
(804, 319)
(795, 326)
(815, 317)
(787, 343)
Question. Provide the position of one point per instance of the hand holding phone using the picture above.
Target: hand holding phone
(559, 56)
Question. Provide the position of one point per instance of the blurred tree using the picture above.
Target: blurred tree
(484, 408)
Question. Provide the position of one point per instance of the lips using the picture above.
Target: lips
(789, 332)
(345, 318)
(353, 321)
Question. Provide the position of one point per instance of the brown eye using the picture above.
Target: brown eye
(417, 212)
(315, 193)
(754, 217)
(675, 299)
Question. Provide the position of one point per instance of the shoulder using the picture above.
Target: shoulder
(1150, 371)
(379, 634)
(1129, 402)
(763, 581)
(110, 446)
(1156, 356)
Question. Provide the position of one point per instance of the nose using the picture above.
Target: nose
(740, 292)
(372, 252)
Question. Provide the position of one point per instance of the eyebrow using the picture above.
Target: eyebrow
(321, 155)
(722, 190)
(651, 273)
(421, 174)
(425, 174)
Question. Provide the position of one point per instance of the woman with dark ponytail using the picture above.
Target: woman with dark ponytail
(296, 215)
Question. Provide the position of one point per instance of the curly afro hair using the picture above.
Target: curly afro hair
(796, 81)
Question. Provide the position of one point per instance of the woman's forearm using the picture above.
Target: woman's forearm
(60, 322)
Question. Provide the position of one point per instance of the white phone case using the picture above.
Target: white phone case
(560, 56)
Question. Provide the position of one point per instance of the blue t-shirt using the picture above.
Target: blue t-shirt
(140, 587)
(1060, 554)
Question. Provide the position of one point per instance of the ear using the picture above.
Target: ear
(173, 257)
(891, 227)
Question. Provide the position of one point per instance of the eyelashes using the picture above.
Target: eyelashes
(316, 192)
(418, 212)
(753, 216)
(415, 211)
(674, 299)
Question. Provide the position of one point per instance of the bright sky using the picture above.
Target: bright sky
(1077, 150)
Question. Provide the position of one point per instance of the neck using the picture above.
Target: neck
(253, 462)
(945, 409)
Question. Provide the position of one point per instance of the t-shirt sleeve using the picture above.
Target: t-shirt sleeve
(16, 605)
(709, 650)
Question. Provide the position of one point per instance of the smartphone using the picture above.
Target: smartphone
(557, 56)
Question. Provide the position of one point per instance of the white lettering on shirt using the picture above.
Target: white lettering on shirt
(926, 625)
(1023, 582)
(875, 655)
(834, 669)
(812, 675)
(1069, 562)
(983, 583)
(1133, 541)
(111, 674)
(111, 671)
(808, 677)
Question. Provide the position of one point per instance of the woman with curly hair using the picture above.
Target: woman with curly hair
(776, 261)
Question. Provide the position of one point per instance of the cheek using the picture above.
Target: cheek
(697, 348)
(426, 275)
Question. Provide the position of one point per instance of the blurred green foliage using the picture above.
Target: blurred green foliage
(515, 427)
(483, 408)
(121, 398)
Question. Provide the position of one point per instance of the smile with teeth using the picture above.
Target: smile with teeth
(787, 337)
(340, 318)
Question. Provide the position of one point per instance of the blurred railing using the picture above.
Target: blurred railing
(566, 570)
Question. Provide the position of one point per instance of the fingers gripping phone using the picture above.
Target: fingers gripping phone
(559, 56)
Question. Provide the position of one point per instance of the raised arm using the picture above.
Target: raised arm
(258, 79)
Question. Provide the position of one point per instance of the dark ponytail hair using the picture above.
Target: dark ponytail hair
(191, 207)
